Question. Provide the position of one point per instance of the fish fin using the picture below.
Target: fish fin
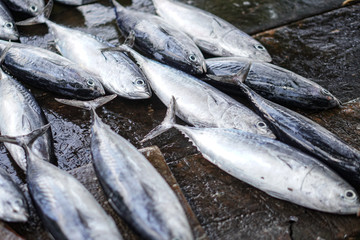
(88, 105)
(130, 39)
(206, 46)
(26, 122)
(237, 79)
(40, 18)
(3, 54)
(167, 123)
(25, 141)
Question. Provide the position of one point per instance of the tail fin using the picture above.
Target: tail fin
(25, 141)
(43, 15)
(167, 123)
(236, 79)
(88, 105)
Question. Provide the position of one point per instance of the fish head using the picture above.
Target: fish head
(14, 209)
(186, 57)
(324, 99)
(34, 7)
(9, 31)
(139, 89)
(329, 192)
(94, 86)
(242, 45)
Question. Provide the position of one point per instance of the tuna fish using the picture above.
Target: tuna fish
(199, 104)
(117, 72)
(49, 71)
(135, 189)
(305, 134)
(272, 82)
(13, 206)
(270, 165)
(211, 33)
(66, 208)
(160, 40)
(20, 114)
(75, 2)
(8, 28)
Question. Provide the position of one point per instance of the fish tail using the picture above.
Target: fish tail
(118, 6)
(25, 141)
(42, 17)
(167, 123)
(88, 105)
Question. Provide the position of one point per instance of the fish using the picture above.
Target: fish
(75, 2)
(8, 28)
(307, 135)
(13, 205)
(158, 39)
(199, 104)
(271, 82)
(117, 72)
(135, 189)
(212, 34)
(20, 114)
(28, 7)
(274, 167)
(67, 209)
(49, 71)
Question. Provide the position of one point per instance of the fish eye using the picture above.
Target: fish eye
(91, 83)
(33, 8)
(9, 25)
(192, 58)
(139, 82)
(350, 195)
(261, 125)
(259, 47)
(325, 92)
(77, 85)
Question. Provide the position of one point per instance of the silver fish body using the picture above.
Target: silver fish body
(274, 83)
(157, 38)
(49, 71)
(118, 73)
(13, 206)
(211, 33)
(66, 208)
(303, 133)
(275, 168)
(29, 7)
(135, 189)
(8, 28)
(198, 103)
(19, 115)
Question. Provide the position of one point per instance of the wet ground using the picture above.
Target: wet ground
(317, 39)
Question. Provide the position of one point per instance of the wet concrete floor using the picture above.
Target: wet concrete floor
(317, 39)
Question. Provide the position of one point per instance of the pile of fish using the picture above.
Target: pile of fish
(268, 146)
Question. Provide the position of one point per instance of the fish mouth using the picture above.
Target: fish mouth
(140, 95)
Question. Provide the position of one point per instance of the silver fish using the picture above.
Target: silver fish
(29, 7)
(305, 134)
(211, 33)
(118, 73)
(135, 189)
(271, 166)
(13, 206)
(199, 104)
(8, 28)
(49, 71)
(160, 40)
(19, 115)
(65, 206)
(272, 82)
